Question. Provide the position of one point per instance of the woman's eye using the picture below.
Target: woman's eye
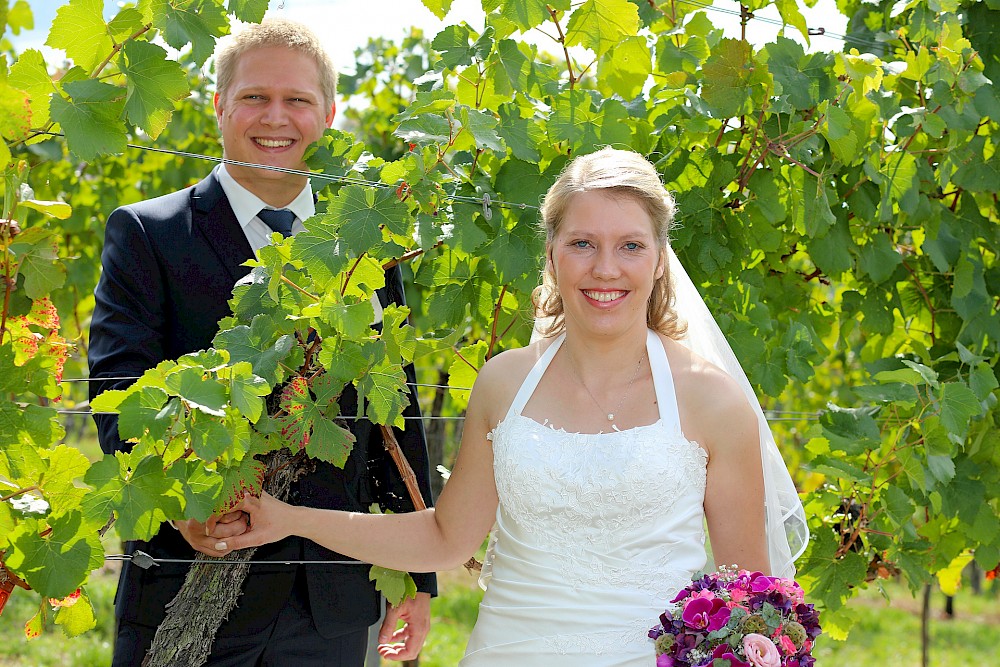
(632, 246)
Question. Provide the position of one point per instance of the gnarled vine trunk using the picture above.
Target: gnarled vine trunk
(210, 591)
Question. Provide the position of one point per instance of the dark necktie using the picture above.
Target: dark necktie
(279, 220)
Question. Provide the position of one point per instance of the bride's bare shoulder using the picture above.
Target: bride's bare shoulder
(501, 376)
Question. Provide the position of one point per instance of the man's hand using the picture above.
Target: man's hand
(406, 642)
(204, 537)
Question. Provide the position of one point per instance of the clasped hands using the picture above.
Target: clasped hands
(251, 523)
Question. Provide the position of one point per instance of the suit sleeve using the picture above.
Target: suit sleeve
(126, 335)
(391, 490)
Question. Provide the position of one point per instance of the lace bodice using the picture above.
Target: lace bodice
(595, 532)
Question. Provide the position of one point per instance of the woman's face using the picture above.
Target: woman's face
(605, 258)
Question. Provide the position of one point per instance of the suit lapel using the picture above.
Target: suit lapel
(213, 218)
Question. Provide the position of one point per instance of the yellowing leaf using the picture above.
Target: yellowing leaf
(950, 578)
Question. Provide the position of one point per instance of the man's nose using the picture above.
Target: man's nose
(274, 113)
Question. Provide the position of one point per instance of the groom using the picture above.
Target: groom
(169, 266)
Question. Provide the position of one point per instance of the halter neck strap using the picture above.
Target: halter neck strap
(534, 376)
(663, 383)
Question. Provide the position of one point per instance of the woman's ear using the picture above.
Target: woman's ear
(661, 265)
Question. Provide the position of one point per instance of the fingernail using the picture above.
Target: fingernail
(221, 546)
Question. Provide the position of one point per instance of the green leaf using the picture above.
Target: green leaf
(733, 81)
(210, 437)
(141, 411)
(254, 344)
(627, 68)
(77, 618)
(30, 74)
(126, 23)
(141, 498)
(879, 258)
(363, 212)
(384, 387)
(852, 430)
(248, 11)
(79, 30)
(528, 14)
(839, 131)
(195, 22)
(321, 249)
(958, 406)
(246, 389)
(90, 117)
(64, 465)
(482, 125)
(982, 381)
(439, 8)
(600, 25)
(330, 442)
(463, 371)
(453, 45)
(154, 83)
(198, 391)
(202, 488)
(394, 585)
(521, 134)
(55, 565)
(36, 250)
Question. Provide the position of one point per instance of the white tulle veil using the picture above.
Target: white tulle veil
(786, 526)
(787, 530)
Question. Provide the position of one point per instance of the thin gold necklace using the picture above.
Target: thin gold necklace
(611, 415)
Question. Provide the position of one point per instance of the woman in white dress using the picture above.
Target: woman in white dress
(600, 451)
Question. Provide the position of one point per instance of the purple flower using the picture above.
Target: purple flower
(706, 614)
(664, 661)
(726, 653)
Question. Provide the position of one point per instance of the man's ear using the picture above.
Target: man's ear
(218, 107)
(333, 112)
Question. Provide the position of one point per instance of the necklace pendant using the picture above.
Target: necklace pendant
(611, 417)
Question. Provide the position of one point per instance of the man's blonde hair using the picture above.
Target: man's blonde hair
(274, 32)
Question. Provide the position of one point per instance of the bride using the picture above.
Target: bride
(600, 451)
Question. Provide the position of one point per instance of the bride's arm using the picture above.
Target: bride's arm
(434, 539)
(734, 495)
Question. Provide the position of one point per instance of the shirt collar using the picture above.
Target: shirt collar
(246, 204)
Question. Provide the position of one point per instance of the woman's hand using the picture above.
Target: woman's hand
(268, 521)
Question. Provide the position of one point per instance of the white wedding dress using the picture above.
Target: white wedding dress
(595, 534)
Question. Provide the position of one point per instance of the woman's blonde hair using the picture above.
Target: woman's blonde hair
(269, 33)
(620, 174)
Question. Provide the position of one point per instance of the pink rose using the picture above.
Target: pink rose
(787, 645)
(760, 651)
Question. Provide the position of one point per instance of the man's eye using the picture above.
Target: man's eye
(581, 244)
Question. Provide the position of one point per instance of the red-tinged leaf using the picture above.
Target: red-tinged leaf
(247, 476)
(44, 314)
(33, 628)
(67, 601)
(294, 423)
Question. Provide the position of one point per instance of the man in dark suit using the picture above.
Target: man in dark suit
(169, 266)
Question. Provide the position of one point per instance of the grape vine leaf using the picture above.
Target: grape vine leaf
(246, 390)
(79, 30)
(195, 22)
(248, 11)
(253, 344)
(90, 117)
(154, 83)
(600, 25)
(54, 564)
(439, 8)
(396, 586)
(384, 387)
(141, 498)
(76, 618)
(199, 391)
(733, 80)
(202, 488)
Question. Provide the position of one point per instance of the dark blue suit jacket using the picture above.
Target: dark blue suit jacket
(169, 266)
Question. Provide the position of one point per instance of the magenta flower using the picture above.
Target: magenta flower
(705, 614)
(723, 651)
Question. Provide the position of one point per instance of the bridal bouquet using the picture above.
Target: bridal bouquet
(746, 618)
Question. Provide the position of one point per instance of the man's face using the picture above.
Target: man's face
(273, 110)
